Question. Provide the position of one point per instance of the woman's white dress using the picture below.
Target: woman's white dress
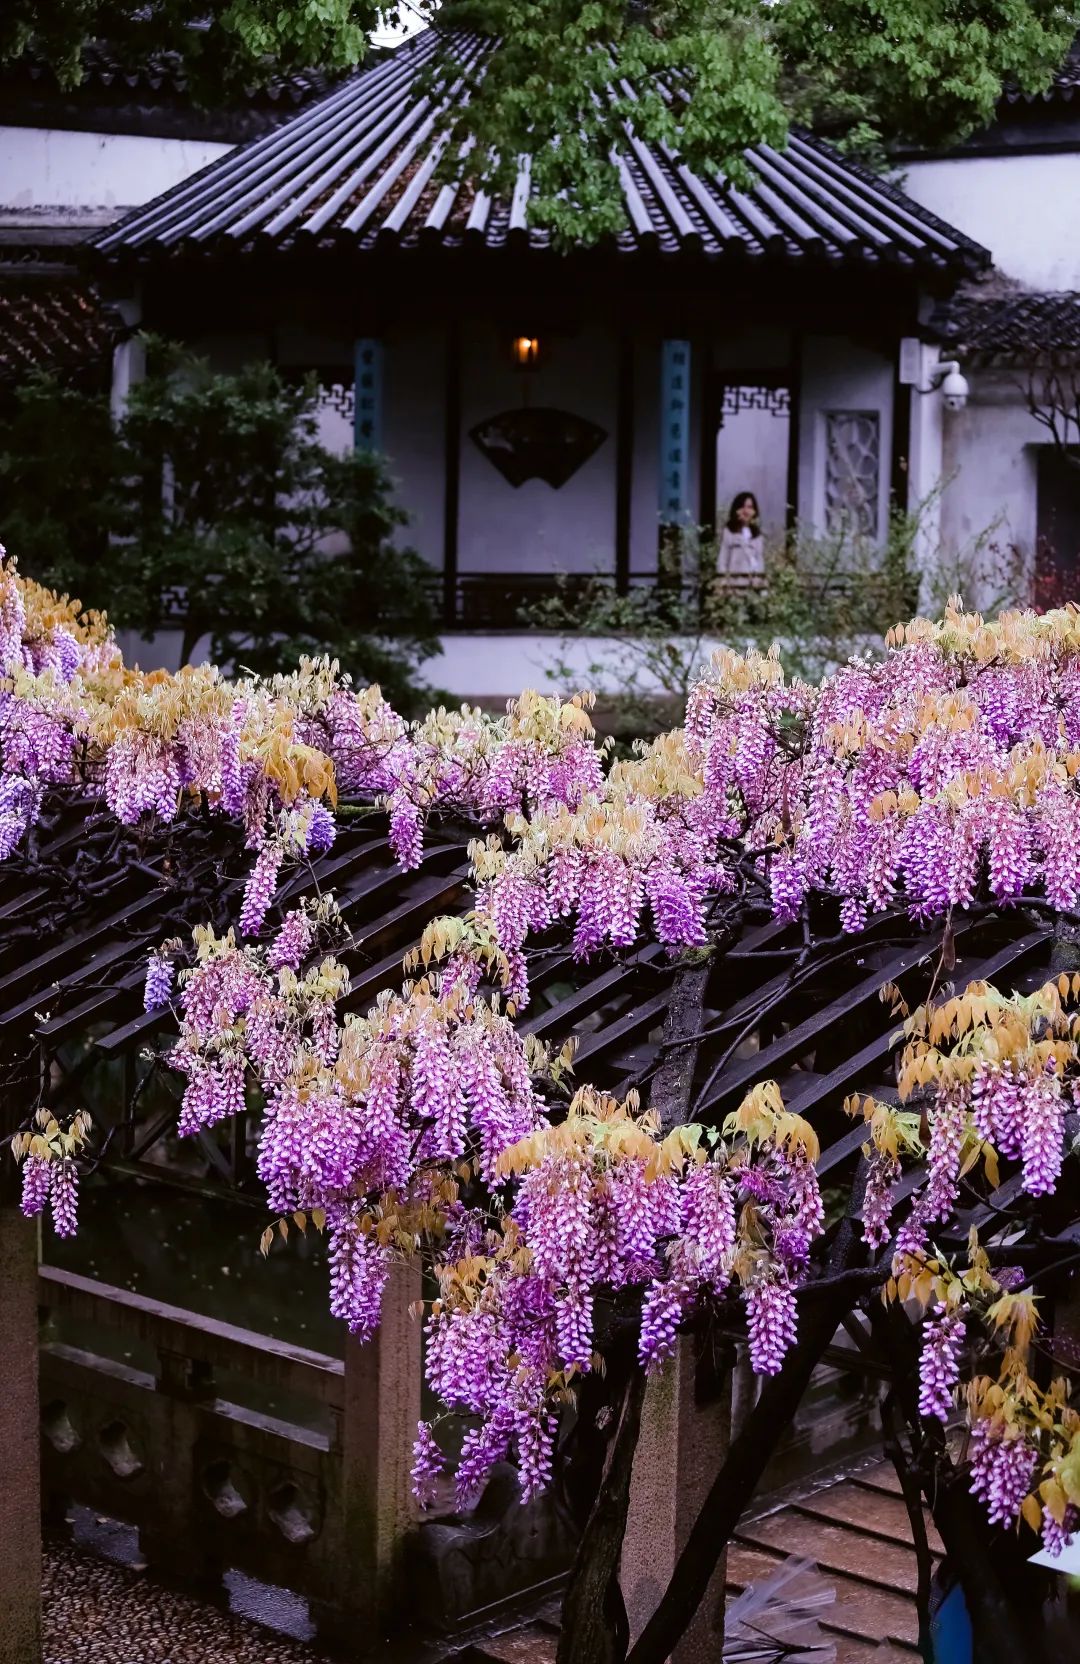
(741, 555)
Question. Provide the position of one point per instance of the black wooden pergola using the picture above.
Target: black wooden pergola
(83, 907)
(84, 902)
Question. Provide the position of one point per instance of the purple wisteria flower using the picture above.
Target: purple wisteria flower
(939, 1365)
(1001, 1472)
(37, 1175)
(159, 983)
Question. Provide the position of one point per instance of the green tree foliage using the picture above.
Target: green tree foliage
(213, 508)
(59, 462)
(565, 80)
(709, 77)
(219, 45)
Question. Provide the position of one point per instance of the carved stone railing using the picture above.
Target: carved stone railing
(231, 1450)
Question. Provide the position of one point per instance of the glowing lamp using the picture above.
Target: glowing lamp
(526, 351)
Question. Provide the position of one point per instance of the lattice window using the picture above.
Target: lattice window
(775, 400)
(852, 471)
(339, 397)
(337, 387)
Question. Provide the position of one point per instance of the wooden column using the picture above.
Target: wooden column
(129, 356)
(20, 1484)
(624, 461)
(795, 371)
(451, 470)
(378, 1430)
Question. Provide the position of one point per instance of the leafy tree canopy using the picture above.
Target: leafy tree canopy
(564, 81)
(213, 508)
(219, 45)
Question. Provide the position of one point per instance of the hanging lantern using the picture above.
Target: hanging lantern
(526, 352)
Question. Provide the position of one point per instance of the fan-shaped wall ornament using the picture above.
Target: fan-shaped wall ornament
(537, 444)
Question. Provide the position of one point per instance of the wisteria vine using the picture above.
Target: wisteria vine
(937, 778)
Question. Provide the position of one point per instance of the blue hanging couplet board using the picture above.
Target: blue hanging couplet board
(367, 422)
(674, 433)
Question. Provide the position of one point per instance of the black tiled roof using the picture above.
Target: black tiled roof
(1018, 324)
(150, 96)
(157, 75)
(55, 323)
(358, 168)
(1063, 89)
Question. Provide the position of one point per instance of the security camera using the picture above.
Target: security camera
(954, 389)
(945, 378)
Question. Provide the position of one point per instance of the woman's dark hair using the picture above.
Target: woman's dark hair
(734, 524)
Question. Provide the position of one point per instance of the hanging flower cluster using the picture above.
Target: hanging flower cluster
(983, 1078)
(357, 1114)
(71, 713)
(47, 1152)
(650, 844)
(424, 1122)
(604, 1202)
(1024, 1440)
(945, 771)
(543, 753)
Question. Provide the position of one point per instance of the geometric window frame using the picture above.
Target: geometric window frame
(739, 396)
(852, 472)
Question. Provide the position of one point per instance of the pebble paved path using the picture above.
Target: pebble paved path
(99, 1613)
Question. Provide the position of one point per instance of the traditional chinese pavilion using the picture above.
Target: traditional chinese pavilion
(550, 411)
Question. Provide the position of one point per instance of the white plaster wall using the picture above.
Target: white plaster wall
(926, 439)
(752, 349)
(1022, 208)
(498, 665)
(43, 167)
(839, 374)
(533, 528)
(752, 455)
(752, 448)
(989, 502)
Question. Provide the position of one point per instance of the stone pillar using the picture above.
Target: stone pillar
(170, 1539)
(685, 1426)
(20, 1458)
(377, 1433)
(926, 467)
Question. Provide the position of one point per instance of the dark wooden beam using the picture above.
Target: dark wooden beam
(709, 417)
(901, 441)
(624, 461)
(451, 471)
(795, 371)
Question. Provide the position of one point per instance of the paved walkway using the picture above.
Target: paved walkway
(96, 1612)
(855, 1528)
(857, 1531)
